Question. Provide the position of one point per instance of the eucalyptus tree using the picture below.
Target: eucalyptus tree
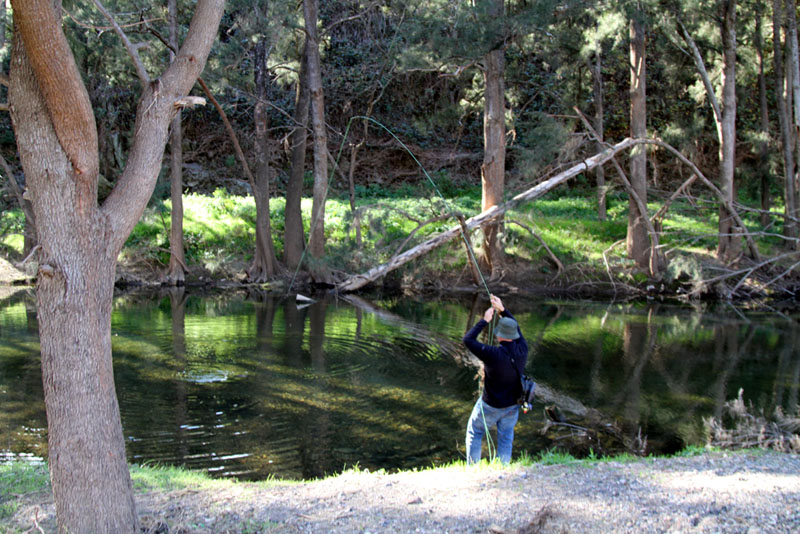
(79, 242)
(316, 237)
(783, 72)
(177, 258)
(454, 38)
(637, 239)
(764, 172)
(293, 235)
(715, 20)
(782, 99)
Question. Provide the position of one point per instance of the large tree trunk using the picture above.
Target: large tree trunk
(316, 237)
(74, 292)
(177, 258)
(784, 121)
(493, 169)
(730, 242)
(637, 241)
(293, 236)
(264, 263)
(57, 141)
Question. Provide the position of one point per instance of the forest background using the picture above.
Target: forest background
(415, 133)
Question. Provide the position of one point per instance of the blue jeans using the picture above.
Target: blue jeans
(482, 419)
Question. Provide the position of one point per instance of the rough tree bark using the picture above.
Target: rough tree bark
(265, 263)
(316, 237)
(493, 169)
(80, 241)
(730, 242)
(637, 242)
(176, 271)
(293, 236)
(784, 121)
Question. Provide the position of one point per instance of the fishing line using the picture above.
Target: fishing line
(424, 171)
(471, 254)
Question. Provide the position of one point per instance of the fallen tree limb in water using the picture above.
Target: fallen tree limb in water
(358, 281)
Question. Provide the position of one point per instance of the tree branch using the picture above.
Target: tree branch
(64, 93)
(559, 265)
(153, 117)
(640, 204)
(133, 50)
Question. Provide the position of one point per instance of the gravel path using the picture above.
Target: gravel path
(746, 492)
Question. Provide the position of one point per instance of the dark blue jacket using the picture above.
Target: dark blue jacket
(501, 387)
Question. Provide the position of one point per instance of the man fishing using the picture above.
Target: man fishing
(503, 366)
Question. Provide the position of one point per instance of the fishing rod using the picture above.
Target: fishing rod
(471, 254)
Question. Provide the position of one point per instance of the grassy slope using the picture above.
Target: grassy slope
(219, 233)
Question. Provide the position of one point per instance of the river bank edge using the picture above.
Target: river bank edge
(712, 490)
(517, 278)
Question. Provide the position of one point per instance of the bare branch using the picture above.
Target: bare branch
(701, 70)
(555, 259)
(355, 282)
(352, 17)
(90, 26)
(190, 102)
(640, 204)
(133, 50)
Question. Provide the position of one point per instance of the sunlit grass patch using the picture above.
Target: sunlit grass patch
(169, 478)
(19, 478)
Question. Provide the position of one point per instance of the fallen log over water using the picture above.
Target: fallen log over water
(355, 282)
(358, 281)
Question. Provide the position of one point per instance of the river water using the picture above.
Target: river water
(254, 386)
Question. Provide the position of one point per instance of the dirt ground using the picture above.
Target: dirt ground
(745, 492)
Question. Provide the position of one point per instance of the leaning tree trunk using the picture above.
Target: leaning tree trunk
(784, 121)
(293, 236)
(730, 242)
(637, 242)
(80, 241)
(360, 280)
(316, 238)
(176, 273)
(493, 169)
(264, 263)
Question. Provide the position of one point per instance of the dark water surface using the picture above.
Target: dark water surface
(256, 386)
